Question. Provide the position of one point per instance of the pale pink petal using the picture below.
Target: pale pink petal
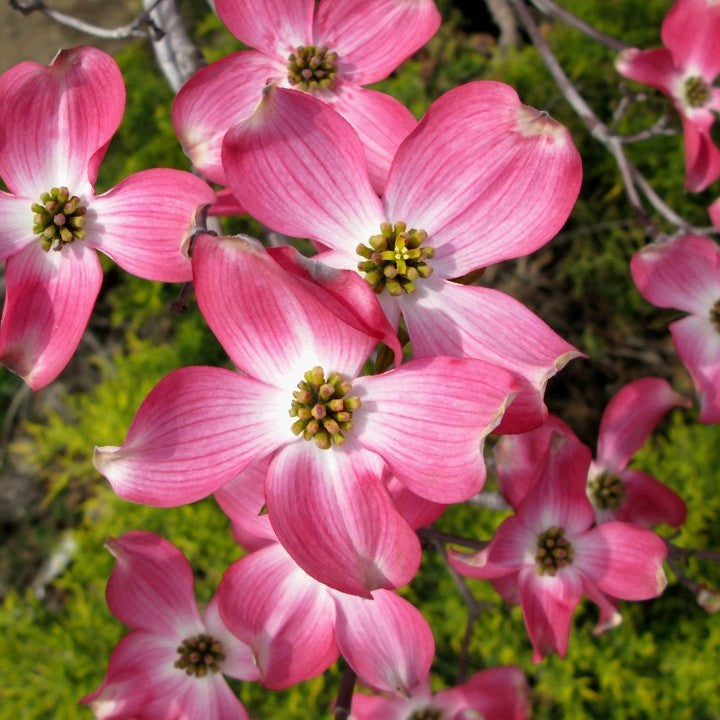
(141, 223)
(273, 324)
(632, 414)
(16, 221)
(151, 586)
(445, 318)
(507, 588)
(211, 697)
(381, 121)
(273, 26)
(385, 640)
(196, 430)
(286, 617)
(498, 186)
(58, 120)
(649, 67)
(428, 421)
(214, 99)
(702, 156)
(683, 273)
(623, 560)
(548, 602)
(609, 616)
(690, 31)
(332, 513)
(299, 168)
(697, 340)
(648, 502)
(372, 37)
(376, 707)
(500, 693)
(48, 300)
(417, 511)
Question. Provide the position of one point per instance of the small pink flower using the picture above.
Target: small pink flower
(171, 666)
(685, 70)
(56, 122)
(685, 274)
(328, 50)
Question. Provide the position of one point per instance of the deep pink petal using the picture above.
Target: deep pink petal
(632, 414)
(214, 99)
(57, 120)
(648, 502)
(48, 300)
(609, 616)
(211, 697)
(225, 204)
(273, 324)
(702, 156)
(142, 222)
(417, 511)
(428, 421)
(372, 37)
(623, 560)
(332, 513)
(381, 121)
(697, 340)
(498, 186)
(300, 168)
(16, 220)
(196, 430)
(274, 26)
(683, 273)
(151, 586)
(649, 67)
(499, 693)
(690, 31)
(376, 707)
(286, 617)
(385, 640)
(548, 603)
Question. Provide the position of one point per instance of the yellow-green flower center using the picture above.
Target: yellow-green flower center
(323, 408)
(199, 655)
(607, 491)
(553, 551)
(395, 259)
(311, 67)
(428, 713)
(59, 218)
(696, 92)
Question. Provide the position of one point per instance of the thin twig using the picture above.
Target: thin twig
(433, 535)
(343, 703)
(682, 552)
(659, 129)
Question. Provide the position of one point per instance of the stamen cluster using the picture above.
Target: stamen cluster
(59, 220)
(696, 91)
(607, 491)
(323, 408)
(428, 713)
(395, 259)
(312, 67)
(715, 315)
(199, 655)
(554, 551)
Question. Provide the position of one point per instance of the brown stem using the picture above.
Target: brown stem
(343, 703)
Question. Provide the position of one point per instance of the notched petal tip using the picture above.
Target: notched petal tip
(103, 456)
(661, 580)
(531, 122)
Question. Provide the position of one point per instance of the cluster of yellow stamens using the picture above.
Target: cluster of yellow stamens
(200, 655)
(715, 315)
(312, 67)
(553, 551)
(607, 491)
(59, 220)
(696, 92)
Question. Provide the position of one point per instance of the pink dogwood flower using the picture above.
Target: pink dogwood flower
(328, 50)
(685, 70)
(482, 179)
(551, 552)
(56, 122)
(499, 693)
(685, 274)
(171, 665)
(300, 338)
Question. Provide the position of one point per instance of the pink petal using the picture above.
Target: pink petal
(333, 515)
(372, 37)
(623, 560)
(385, 640)
(58, 120)
(273, 26)
(428, 421)
(548, 603)
(609, 617)
(444, 318)
(286, 617)
(151, 586)
(649, 67)
(211, 697)
(697, 340)
(225, 204)
(196, 430)
(141, 225)
(16, 222)
(702, 156)
(417, 511)
(273, 324)
(498, 186)
(632, 414)
(376, 707)
(48, 301)
(299, 168)
(648, 502)
(214, 99)
(690, 31)
(499, 693)
(381, 121)
(683, 273)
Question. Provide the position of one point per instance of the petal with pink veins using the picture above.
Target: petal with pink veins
(385, 640)
(647, 502)
(48, 301)
(298, 167)
(702, 156)
(196, 430)
(417, 511)
(690, 31)
(335, 518)
(499, 186)
(16, 220)
(428, 421)
(225, 204)
(649, 67)
(609, 617)
(141, 223)
(58, 121)
(211, 697)
(380, 707)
